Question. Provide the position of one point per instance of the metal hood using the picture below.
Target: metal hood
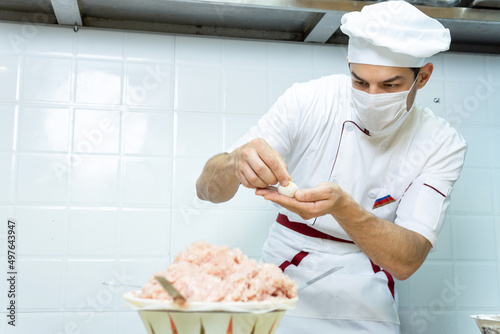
(474, 25)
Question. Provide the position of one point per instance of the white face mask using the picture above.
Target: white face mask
(378, 112)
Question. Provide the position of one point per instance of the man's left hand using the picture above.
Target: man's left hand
(324, 199)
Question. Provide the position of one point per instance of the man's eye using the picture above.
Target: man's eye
(360, 83)
(391, 85)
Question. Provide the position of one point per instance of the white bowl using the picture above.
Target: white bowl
(166, 317)
(488, 324)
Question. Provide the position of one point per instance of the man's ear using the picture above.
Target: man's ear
(425, 74)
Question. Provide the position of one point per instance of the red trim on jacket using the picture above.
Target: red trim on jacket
(365, 131)
(440, 193)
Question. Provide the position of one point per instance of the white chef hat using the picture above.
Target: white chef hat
(393, 33)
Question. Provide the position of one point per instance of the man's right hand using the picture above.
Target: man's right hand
(255, 165)
(258, 165)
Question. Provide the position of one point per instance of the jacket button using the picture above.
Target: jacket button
(385, 146)
(335, 180)
(349, 127)
(372, 194)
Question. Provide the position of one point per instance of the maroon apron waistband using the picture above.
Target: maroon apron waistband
(306, 229)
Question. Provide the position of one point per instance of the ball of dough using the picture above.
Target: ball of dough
(289, 190)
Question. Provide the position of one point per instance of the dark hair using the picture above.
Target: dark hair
(415, 71)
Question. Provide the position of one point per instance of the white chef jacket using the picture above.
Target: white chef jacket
(403, 175)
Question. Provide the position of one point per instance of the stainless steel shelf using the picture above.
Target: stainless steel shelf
(315, 21)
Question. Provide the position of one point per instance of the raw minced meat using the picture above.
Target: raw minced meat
(207, 273)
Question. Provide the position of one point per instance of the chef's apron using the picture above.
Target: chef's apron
(359, 298)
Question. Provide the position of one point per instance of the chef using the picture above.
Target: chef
(375, 171)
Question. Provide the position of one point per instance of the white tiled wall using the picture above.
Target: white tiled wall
(103, 134)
